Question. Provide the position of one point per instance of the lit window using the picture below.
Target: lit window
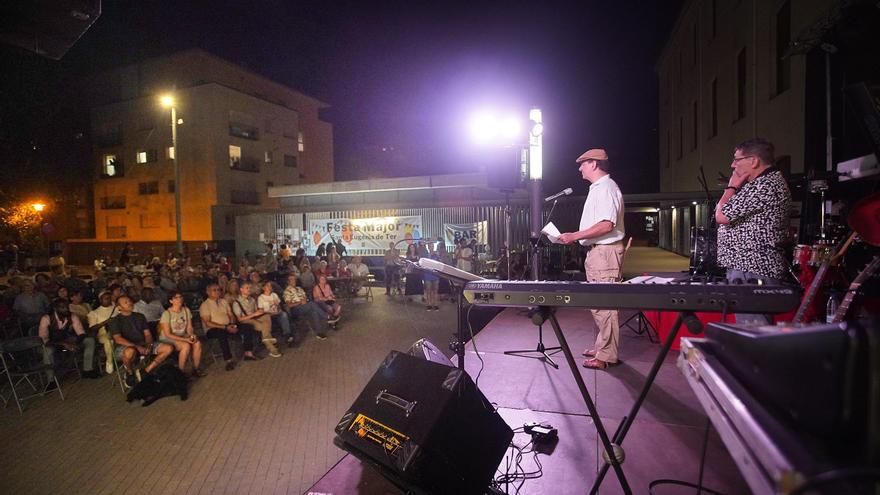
(109, 165)
(267, 157)
(234, 156)
(146, 156)
(300, 142)
(169, 152)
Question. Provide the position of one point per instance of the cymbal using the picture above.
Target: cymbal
(864, 218)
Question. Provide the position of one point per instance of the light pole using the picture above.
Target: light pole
(536, 171)
(168, 102)
(39, 207)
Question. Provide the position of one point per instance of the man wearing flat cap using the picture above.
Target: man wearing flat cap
(602, 231)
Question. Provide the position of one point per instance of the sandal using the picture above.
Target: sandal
(595, 364)
(589, 353)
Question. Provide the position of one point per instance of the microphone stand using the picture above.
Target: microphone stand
(543, 352)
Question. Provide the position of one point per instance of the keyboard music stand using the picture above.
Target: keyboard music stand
(457, 278)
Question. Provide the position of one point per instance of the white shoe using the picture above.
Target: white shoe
(274, 354)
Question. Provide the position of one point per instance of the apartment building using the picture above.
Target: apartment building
(238, 134)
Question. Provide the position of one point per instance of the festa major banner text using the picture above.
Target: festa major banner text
(363, 235)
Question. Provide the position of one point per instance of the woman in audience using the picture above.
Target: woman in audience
(323, 296)
(306, 277)
(270, 303)
(231, 293)
(321, 252)
(176, 329)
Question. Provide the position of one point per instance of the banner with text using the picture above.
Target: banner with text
(366, 236)
(454, 232)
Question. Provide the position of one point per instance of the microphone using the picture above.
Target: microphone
(564, 192)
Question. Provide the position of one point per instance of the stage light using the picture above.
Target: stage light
(483, 127)
(536, 159)
(694, 203)
(38, 207)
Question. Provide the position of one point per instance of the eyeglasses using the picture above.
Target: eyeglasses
(742, 158)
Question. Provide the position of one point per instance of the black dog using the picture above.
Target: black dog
(164, 381)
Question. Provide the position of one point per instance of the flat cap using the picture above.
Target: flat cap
(593, 154)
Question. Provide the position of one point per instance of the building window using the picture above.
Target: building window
(269, 184)
(145, 188)
(116, 232)
(150, 220)
(236, 162)
(244, 131)
(695, 128)
(680, 138)
(300, 142)
(741, 84)
(111, 166)
(169, 152)
(113, 203)
(230, 219)
(290, 161)
(714, 116)
(234, 156)
(240, 197)
(783, 38)
(668, 147)
(146, 156)
(267, 157)
(171, 186)
(713, 6)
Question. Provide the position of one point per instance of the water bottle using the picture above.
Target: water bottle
(830, 309)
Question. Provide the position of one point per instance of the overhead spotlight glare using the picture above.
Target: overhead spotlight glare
(693, 202)
(673, 207)
(483, 128)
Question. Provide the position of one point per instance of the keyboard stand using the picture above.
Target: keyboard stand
(613, 453)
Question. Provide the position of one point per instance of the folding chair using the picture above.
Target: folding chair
(119, 376)
(22, 359)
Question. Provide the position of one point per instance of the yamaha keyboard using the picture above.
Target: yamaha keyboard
(672, 296)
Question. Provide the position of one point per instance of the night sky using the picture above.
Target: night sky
(406, 76)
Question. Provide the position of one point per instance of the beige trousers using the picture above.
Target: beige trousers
(603, 265)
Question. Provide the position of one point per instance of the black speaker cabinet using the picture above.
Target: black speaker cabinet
(426, 427)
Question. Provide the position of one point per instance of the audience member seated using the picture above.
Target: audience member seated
(359, 274)
(217, 320)
(176, 329)
(132, 339)
(299, 306)
(79, 307)
(256, 283)
(60, 328)
(324, 298)
(246, 311)
(306, 277)
(97, 319)
(151, 308)
(30, 306)
(270, 303)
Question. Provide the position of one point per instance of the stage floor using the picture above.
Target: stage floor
(664, 442)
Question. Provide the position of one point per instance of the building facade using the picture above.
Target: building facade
(725, 75)
(238, 135)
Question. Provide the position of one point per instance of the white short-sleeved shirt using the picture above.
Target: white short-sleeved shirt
(604, 202)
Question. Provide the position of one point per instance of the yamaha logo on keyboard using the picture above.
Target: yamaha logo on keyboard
(485, 286)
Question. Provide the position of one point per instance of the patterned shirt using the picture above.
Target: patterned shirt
(758, 215)
(294, 295)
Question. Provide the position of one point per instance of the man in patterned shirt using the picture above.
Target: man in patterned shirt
(298, 306)
(752, 217)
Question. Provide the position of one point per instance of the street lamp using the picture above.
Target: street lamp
(38, 207)
(168, 102)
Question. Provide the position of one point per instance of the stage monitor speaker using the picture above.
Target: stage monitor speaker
(423, 348)
(426, 427)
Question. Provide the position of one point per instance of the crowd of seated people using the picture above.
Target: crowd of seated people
(137, 313)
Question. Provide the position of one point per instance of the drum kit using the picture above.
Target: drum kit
(815, 265)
